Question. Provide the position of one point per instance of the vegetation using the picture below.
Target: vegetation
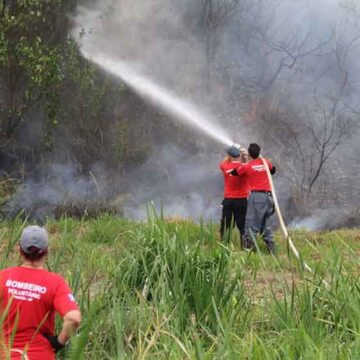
(58, 99)
(293, 91)
(167, 289)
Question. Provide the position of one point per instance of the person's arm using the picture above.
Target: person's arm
(240, 170)
(223, 166)
(229, 168)
(71, 322)
(271, 167)
(66, 307)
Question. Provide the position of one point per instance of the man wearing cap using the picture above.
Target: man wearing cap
(29, 297)
(235, 193)
(260, 203)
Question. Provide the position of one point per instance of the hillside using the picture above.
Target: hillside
(79, 128)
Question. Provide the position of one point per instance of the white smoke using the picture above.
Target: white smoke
(157, 40)
(258, 49)
(310, 223)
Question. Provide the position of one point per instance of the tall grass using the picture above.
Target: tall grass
(168, 289)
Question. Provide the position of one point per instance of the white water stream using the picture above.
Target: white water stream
(160, 96)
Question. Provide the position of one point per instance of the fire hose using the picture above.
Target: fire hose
(282, 223)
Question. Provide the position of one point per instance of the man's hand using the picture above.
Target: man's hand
(54, 342)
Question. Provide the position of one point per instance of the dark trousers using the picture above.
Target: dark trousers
(233, 212)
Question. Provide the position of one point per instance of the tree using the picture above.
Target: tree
(213, 14)
(30, 62)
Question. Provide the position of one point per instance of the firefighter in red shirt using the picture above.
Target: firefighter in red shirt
(235, 193)
(260, 203)
(29, 297)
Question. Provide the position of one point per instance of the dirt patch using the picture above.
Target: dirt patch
(271, 284)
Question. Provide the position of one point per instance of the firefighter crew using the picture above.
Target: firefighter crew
(29, 297)
(260, 203)
(235, 194)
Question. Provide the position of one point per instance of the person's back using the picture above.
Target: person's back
(256, 174)
(30, 297)
(234, 186)
(36, 294)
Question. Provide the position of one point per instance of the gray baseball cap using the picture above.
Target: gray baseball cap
(36, 236)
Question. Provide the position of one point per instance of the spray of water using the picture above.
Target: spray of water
(161, 96)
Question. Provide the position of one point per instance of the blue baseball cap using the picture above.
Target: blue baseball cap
(233, 151)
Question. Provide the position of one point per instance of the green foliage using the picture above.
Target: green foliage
(105, 230)
(70, 108)
(168, 290)
(8, 187)
(29, 58)
(48, 84)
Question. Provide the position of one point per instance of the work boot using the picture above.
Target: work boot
(271, 248)
(247, 244)
(242, 241)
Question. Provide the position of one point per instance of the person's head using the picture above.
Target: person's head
(34, 243)
(254, 150)
(233, 152)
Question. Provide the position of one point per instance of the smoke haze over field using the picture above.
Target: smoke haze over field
(230, 58)
(281, 73)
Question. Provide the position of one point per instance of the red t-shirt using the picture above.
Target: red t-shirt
(235, 186)
(256, 172)
(36, 295)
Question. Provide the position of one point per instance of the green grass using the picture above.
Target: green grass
(167, 289)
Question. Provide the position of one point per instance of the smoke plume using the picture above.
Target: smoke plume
(283, 74)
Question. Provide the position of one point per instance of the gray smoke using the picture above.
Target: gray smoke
(182, 184)
(227, 56)
(281, 73)
(62, 188)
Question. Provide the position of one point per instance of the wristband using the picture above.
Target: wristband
(54, 342)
